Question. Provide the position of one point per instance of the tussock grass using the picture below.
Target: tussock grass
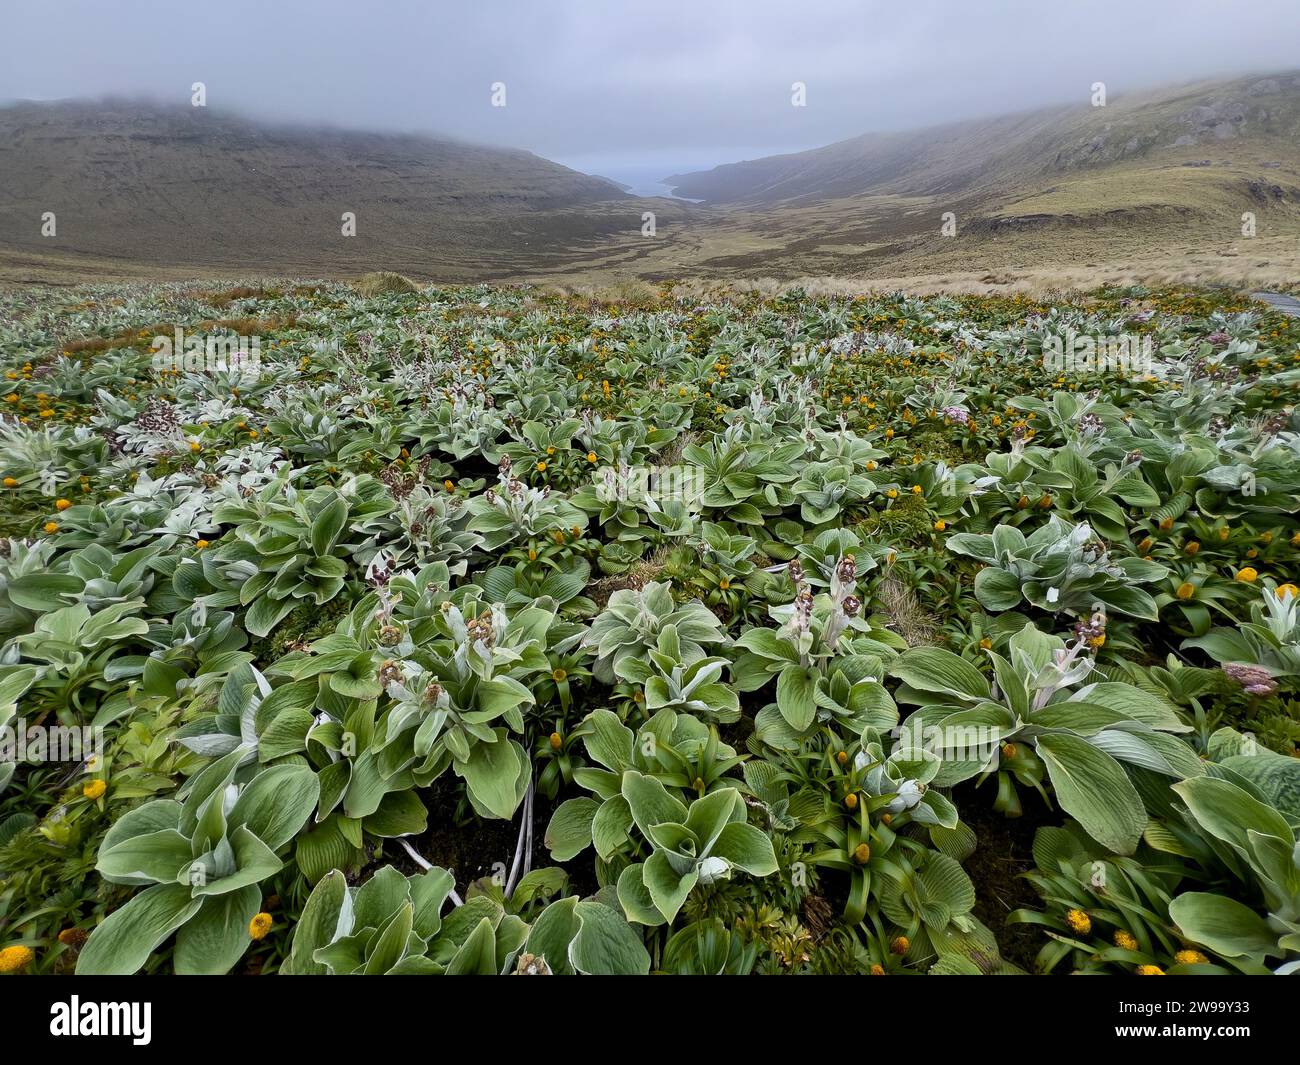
(906, 615)
(383, 282)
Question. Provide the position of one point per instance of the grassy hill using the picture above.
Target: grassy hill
(1151, 185)
(143, 189)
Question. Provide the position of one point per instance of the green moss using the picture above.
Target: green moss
(905, 521)
(306, 623)
(934, 445)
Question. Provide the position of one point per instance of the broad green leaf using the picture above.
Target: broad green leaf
(1093, 789)
(215, 938)
(932, 669)
(317, 926)
(570, 830)
(123, 941)
(795, 696)
(1223, 925)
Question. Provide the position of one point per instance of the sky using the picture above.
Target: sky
(629, 89)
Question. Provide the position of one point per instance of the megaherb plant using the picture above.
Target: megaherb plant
(1058, 567)
(633, 621)
(289, 548)
(204, 857)
(1039, 721)
(826, 659)
(1262, 933)
(403, 579)
(677, 750)
(689, 845)
(395, 925)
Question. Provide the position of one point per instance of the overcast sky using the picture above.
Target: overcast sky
(624, 86)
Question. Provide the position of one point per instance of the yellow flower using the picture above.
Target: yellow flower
(916, 489)
(550, 451)
(877, 970)
(1186, 590)
(1246, 575)
(1283, 590)
(541, 467)
(724, 584)
(450, 486)
(11, 482)
(259, 926)
(900, 945)
(558, 675)
(62, 504)
(986, 644)
(1079, 921)
(591, 456)
(200, 544)
(1190, 957)
(14, 958)
(195, 445)
(557, 741)
(889, 434)
(51, 526)
(1192, 548)
(940, 525)
(94, 789)
(1150, 970)
(892, 493)
(1125, 941)
(862, 854)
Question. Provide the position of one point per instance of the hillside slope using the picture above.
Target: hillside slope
(965, 157)
(1161, 177)
(192, 188)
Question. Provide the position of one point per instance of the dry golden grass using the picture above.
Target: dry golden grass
(383, 282)
(637, 577)
(906, 615)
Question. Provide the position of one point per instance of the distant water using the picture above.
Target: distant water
(656, 188)
(641, 182)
